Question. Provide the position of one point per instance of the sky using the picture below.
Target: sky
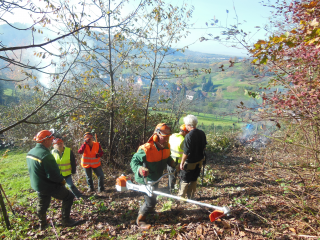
(250, 11)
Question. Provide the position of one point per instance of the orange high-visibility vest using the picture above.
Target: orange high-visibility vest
(152, 154)
(89, 159)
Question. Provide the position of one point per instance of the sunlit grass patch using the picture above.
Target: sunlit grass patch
(14, 176)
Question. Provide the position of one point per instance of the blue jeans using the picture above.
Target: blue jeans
(100, 175)
(72, 187)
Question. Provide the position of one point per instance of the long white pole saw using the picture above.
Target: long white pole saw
(124, 183)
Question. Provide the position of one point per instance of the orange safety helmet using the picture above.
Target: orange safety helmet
(184, 128)
(162, 129)
(57, 140)
(43, 135)
(87, 135)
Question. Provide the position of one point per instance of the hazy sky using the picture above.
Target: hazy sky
(253, 12)
(250, 11)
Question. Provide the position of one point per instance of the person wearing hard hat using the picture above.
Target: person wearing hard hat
(192, 158)
(176, 142)
(148, 163)
(91, 152)
(67, 164)
(47, 181)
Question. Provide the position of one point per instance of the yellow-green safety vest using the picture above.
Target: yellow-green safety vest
(175, 141)
(64, 162)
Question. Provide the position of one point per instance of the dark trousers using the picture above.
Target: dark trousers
(149, 203)
(190, 175)
(61, 193)
(98, 171)
(172, 178)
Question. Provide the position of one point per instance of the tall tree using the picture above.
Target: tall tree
(52, 51)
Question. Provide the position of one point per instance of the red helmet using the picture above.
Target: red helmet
(57, 140)
(43, 135)
(183, 128)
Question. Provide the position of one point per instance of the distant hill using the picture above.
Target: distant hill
(208, 55)
(13, 36)
(199, 57)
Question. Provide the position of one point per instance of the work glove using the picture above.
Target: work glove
(143, 171)
(63, 182)
(175, 165)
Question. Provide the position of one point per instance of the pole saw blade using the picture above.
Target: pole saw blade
(216, 214)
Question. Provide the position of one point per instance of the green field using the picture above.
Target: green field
(8, 92)
(210, 119)
(14, 176)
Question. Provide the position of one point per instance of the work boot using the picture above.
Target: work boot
(141, 222)
(43, 222)
(68, 222)
(90, 190)
(102, 194)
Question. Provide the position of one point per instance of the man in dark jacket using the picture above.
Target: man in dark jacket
(193, 156)
(46, 180)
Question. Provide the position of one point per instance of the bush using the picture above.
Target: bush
(219, 143)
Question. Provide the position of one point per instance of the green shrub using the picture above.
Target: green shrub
(220, 143)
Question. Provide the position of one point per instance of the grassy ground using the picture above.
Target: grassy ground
(14, 176)
(266, 203)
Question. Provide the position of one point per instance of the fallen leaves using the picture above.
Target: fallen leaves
(199, 230)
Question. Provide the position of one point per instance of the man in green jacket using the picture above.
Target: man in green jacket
(46, 180)
(149, 162)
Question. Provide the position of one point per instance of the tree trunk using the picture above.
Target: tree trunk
(4, 211)
(154, 74)
(111, 119)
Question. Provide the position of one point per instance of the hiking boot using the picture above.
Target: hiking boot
(102, 193)
(90, 190)
(141, 222)
(43, 222)
(69, 222)
(43, 225)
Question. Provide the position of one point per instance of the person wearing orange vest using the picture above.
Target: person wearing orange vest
(91, 152)
(47, 181)
(149, 162)
(67, 164)
(176, 142)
